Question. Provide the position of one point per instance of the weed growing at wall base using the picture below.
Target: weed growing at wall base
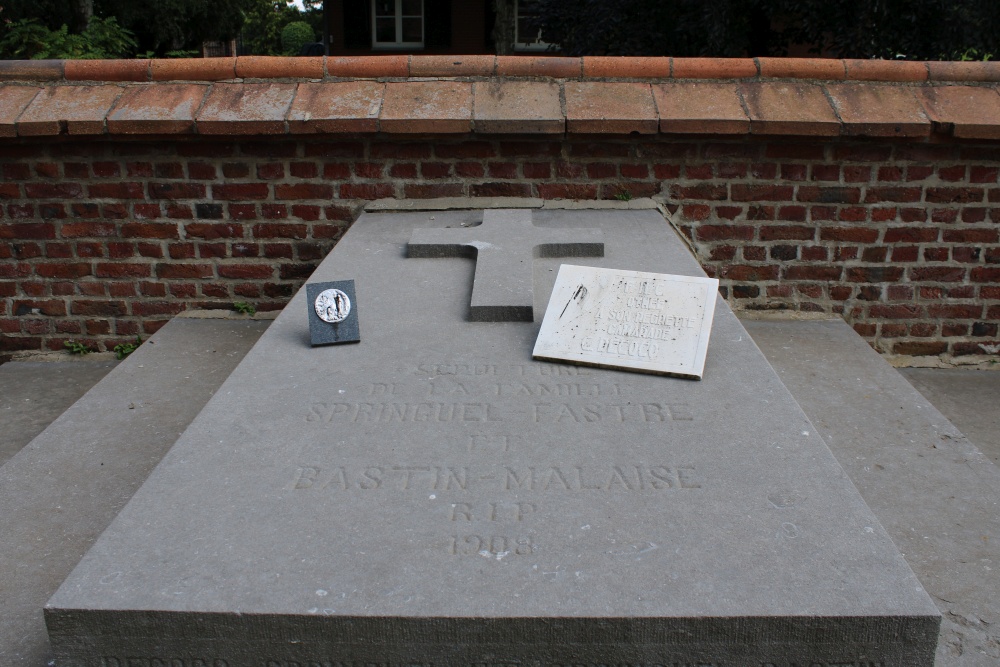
(122, 350)
(75, 347)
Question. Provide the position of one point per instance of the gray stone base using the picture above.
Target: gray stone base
(34, 393)
(59, 492)
(932, 489)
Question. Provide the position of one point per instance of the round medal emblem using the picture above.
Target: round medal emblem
(333, 306)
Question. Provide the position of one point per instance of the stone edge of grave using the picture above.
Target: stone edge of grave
(79, 499)
(204, 314)
(918, 442)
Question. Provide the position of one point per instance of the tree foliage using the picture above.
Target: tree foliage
(173, 25)
(912, 29)
(265, 19)
(294, 36)
(103, 38)
(158, 26)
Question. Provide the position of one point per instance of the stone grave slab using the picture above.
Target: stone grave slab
(433, 495)
(646, 322)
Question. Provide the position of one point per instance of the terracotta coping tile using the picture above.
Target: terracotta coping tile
(81, 109)
(969, 112)
(107, 70)
(517, 107)
(544, 66)
(604, 108)
(802, 68)
(878, 111)
(246, 108)
(616, 67)
(270, 67)
(687, 107)
(194, 69)
(31, 70)
(789, 108)
(452, 65)
(348, 106)
(896, 71)
(368, 67)
(714, 68)
(166, 108)
(403, 66)
(13, 100)
(427, 107)
(964, 71)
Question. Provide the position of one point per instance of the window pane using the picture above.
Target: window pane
(412, 7)
(413, 30)
(385, 7)
(385, 30)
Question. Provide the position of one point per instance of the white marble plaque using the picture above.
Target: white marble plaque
(647, 322)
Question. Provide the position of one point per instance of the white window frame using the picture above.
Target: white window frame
(535, 45)
(398, 44)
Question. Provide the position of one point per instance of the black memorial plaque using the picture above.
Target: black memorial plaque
(333, 313)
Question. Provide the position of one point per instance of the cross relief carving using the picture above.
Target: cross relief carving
(504, 246)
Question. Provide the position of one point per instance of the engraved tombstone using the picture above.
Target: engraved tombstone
(432, 495)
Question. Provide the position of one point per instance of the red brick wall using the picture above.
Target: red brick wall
(103, 240)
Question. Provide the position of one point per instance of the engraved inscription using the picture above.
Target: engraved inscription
(620, 346)
(683, 663)
(633, 320)
(824, 663)
(452, 387)
(521, 370)
(614, 412)
(489, 393)
(495, 512)
(551, 478)
(468, 393)
(323, 662)
(322, 412)
(431, 411)
(495, 546)
(490, 443)
(135, 661)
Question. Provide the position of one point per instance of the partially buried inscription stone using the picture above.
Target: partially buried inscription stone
(432, 495)
(332, 309)
(649, 322)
